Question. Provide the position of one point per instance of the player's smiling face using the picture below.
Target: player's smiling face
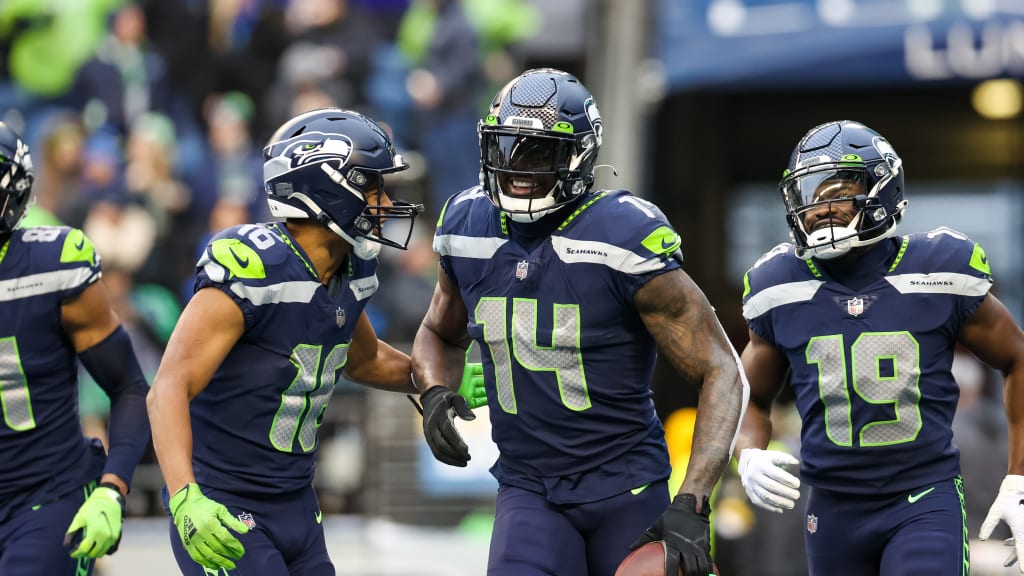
(834, 204)
(532, 173)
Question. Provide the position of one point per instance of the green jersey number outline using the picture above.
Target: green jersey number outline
(563, 357)
(14, 393)
(898, 386)
(304, 401)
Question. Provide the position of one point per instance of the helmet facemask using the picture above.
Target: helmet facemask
(530, 173)
(539, 144)
(312, 175)
(847, 201)
(16, 177)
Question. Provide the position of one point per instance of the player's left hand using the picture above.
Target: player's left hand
(1008, 508)
(440, 406)
(96, 528)
(472, 385)
(686, 534)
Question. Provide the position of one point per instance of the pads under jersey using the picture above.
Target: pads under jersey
(255, 425)
(871, 368)
(43, 451)
(567, 360)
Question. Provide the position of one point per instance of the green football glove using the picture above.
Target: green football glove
(472, 386)
(202, 525)
(96, 528)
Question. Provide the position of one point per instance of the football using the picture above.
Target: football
(647, 560)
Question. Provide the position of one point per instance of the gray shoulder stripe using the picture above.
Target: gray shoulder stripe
(588, 251)
(45, 283)
(780, 295)
(467, 246)
(285, 292)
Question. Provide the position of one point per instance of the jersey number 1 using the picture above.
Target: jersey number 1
(14, 395)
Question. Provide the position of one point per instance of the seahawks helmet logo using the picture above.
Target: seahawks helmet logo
(314, 147)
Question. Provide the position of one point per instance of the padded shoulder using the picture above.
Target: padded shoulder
(251, 254)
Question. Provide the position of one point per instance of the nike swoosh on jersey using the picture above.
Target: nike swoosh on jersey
(243, 263)
(319, 516)
(915, 497)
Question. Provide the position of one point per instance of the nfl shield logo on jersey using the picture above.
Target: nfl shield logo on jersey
(812, 523)
(247, 519)
(339, 317)
(522, 269)
(855, 306)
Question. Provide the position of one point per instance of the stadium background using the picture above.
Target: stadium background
(145, 119)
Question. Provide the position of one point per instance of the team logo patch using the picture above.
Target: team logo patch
(855, 306)
(812, 523)
(339, 317)
(247, 519)
(522, 270)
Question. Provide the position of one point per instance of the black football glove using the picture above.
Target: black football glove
(440, 407)
(686, 534)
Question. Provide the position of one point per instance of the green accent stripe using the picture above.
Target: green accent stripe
(966, 557)
(813, 268)
(899, 256)
(444, 209)
(288, 241)
(583, 207)
(746, 283)
(3, 251)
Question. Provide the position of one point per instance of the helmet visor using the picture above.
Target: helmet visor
(823, 186)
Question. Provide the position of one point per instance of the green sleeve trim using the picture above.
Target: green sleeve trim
(77, 248)
(746, 284)
(663, 240)
(979, 261)
(444, 209)
(240, 260)
(899, 256)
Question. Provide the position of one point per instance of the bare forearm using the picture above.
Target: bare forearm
(436, 362)
(172, 436)
(389, 371)
(1013, 399)
(721, 399)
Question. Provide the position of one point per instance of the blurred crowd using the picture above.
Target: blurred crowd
(146, 118)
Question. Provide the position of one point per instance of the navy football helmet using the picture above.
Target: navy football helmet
(836, 162)
(328, 165)
(539, 143)
(16, 176)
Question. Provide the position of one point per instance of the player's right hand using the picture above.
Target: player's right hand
(766, 481)
(440, 406)
(203, 527)
(472, 386)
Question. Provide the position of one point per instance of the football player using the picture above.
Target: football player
(570, 293)
(277, 318)
(866, 324)
(59, 492)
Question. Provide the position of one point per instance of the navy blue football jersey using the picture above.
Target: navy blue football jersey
(567, 360)
(255, 424)
(41, 442)
(871, 367)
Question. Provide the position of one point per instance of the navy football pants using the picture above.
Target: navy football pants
(922, 532)
(533, 537)
(32, 540)
(287, 538)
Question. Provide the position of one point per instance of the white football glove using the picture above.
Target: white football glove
(766, 481)
(1008, 507)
